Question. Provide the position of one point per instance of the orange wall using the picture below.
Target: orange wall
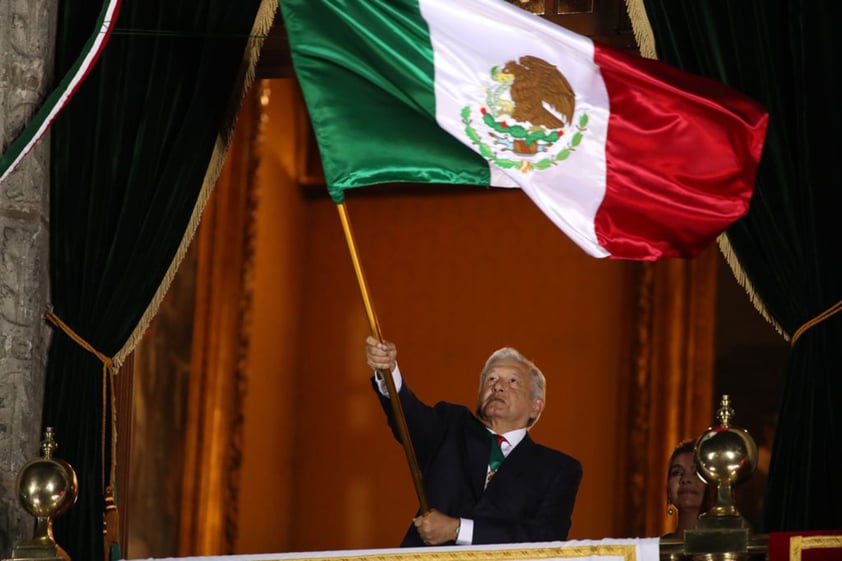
(453, 276)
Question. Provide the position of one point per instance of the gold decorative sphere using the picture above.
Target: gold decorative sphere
(726, 455)
(45, 488)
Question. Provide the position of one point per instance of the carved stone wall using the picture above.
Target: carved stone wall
(27, 37)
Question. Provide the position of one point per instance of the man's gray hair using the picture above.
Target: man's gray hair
(539, 382)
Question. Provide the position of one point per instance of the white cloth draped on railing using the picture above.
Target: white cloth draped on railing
(640, 549)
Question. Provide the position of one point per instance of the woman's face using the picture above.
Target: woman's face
(685, 487)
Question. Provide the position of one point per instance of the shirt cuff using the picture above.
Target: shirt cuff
(466, 532)
(381, 383)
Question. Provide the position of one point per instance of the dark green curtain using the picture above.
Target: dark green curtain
(129, 155)
(789, 244)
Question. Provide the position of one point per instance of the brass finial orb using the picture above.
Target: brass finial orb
(47, 487)
(726, 455)
(44, 485)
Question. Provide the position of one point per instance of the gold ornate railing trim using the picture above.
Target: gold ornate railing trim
(628, 552)
(797, 544)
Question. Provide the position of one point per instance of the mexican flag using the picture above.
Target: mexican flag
(629, 157)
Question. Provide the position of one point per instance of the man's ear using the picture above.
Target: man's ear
(537, 408)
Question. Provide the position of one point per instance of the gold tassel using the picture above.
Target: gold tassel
(110, 524)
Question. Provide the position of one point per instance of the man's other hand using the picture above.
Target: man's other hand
(436, 528)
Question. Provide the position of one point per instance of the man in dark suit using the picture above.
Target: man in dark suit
(478, 493)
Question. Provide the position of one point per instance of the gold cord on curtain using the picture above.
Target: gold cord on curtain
(111, 519)
(831, 311)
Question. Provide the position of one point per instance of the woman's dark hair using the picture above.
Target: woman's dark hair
(684, 447)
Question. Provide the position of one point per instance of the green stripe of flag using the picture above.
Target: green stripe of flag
(376, 58)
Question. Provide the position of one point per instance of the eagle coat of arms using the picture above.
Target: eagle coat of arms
(529, 107)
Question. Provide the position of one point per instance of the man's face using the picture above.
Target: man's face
(506, 399)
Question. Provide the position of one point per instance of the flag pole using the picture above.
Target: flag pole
(397, 410)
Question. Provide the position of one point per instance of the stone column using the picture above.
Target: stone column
(27, 41)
